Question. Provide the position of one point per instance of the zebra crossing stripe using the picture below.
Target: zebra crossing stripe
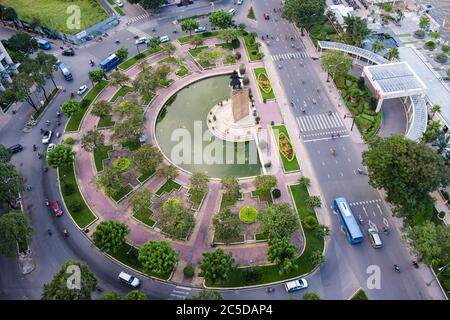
(305, 125)
(332, 119)
(322, 122)
(325, 121)
(338, 120)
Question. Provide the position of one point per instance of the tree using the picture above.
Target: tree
(14, 229)
(205, 57)
(429, 242)
(311, 296)
(231, 188)
(92, 139)
(424, 22)
(435, 108)
(228, 35)
(58, 288)
(392, 54)
(434, 129)
(377, 46)
(129, 130)
(442, 142)
(304, 181)
(189, 25)
(357, 29)
(158, 257)
(168, 48)
(96, 75)
(197, 41)
(136, 295)
(177, 220)
(22, 42)
(118, 78)
(9, 14)
(70, 107)
(407, 170)
(141, 201)
(336, 63)
(151, 4)
(153, 42)
(304, 12)
(162, 71)
(11, 184)
(283, 254)
(60, 155)
(22, 89)
(146, 82)
(317, 258)
(169, 172)
(147, 158)
(35, 22)
(47, 65)
(109, 181)
(5, 154)
(278, 221)
(199, 183)
(110, 236)
(227, 225)
(112, 295)
(216, 266)
(206, 295)
(122, 53)
(221, 19)
(314, 201)
(264, 183)
(101, 108)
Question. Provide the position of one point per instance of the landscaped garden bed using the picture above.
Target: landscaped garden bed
(205, 35)
(105, 122)
(285, 148)
(133, 60)
(252, 48)
(121, 92)
(264, 85)
(196, 199)
(145, 217)
(168, 186)
(360, 295)
(100, 154)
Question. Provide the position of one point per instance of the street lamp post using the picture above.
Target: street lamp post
(439, 271)
(353, 120)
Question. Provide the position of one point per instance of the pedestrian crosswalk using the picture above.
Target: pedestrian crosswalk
(138, 18)
(286, 56)
(319, 122)
(180, 293)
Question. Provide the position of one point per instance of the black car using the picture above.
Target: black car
(15, 148)
(68, 52)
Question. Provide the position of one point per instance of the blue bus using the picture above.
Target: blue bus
(110, 63)
(44, 44)
(348, 221)
(66, 72)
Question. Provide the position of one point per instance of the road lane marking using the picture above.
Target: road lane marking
(365, 211)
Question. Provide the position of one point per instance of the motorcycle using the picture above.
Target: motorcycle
(34, 147)
(117, 41)
(385, 230)
(397, 268)
(270, 289)
(49, 232)
(47, 203)
(415, 264)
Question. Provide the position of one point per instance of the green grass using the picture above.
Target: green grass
(402, 35)
(168, 60)
(266, 196)
(84, 215)
(145, 176)
(182, 71)
(124, 190)
(132, 145)
(121, 92)
(252, 50)
(105, 122)
(52, 13)
(165, 82)
(129, 255)
(119, 10)
(288, 166)
(360, 295)
(196, 198)
(147, 98)
(44, 106)
(195, 51)
(167, 187)
(133, 60)
(265, 95)
(75, 120)
(145, 218)
(227, 202)
(251, 14)
(204, 35)
(260, 236)
(100, 154)
(303, 263)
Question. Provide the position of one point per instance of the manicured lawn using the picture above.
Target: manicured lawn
(53, 13)
(119, 10)
(145, 176)
(265, 95)
(73, 198)
(145, 218)
(205, 35)
(303, 263)
(167, 187)
(288, 166)
(132, 145)
(121, 92)
(195, 51)
(101, 154)
(165, 82)
(360, 295)
(75, 120)
(147, 98)
(251, 14)
(129, 255)
(105, 122)
(196, 199)
(182, 71)
(263, 196)
(123, 192)
(252, 50)
(133, 60)
(44, 106)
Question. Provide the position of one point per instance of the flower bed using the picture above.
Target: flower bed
(248, 214)
(264, 85)
(285, 146)
(122, 164)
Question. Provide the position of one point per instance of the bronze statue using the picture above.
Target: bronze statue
(235, 80)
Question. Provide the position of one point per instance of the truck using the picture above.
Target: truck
(65, 71)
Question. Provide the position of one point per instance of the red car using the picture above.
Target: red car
(56, 208)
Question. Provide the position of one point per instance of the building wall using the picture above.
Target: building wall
(5, 61)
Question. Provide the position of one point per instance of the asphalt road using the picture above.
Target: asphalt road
(346, 265)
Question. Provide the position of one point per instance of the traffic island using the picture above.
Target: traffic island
(264, 85)
(285, 149)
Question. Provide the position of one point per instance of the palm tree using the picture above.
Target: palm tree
(392, 54)
(377, 46)
(434, 109)
(442, 142)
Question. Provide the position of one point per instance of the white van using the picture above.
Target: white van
(232, 11)
(129, 279)
(296, 285)
(374, 238)
(164, 39)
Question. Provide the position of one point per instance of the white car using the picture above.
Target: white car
(82, 89)
(296, 285)
(119, 3)
(129, 279)
(164, 39)
(51, 146)
(239, 2)
(142, 40)
(200, 29)
(46, 137)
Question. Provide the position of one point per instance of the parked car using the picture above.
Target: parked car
(142, 40)
(56, 208)
(119, 3)
(68, 52)
(15, 148)
(82, 89)
(163, 39)
(129, 279)
(200, 29)
(296, 285)
(47, 136)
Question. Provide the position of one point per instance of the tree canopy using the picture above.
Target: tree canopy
(147, 158)
(109, 236)
(158, 257)
(14, 229)
(5, 155)
(357, 29)
(60, 155)
(336, 63)
(264, 183)
(177, 219)
(278, 221)
(11, 183)
(141, 201)
(304, 12)
(216, 266)
(189, 25)
(70, 106)
(227, 226)
(283, 254)
(92, 139)
(221, 19)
